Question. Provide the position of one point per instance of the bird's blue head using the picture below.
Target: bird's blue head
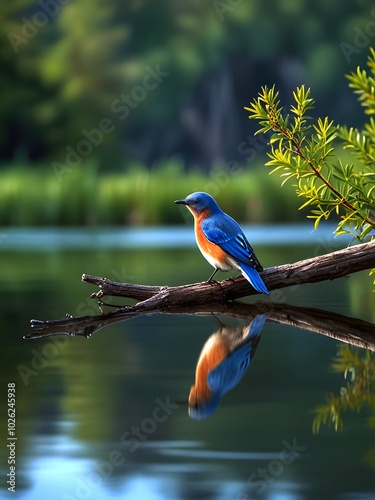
(199, 202)
(198, 410)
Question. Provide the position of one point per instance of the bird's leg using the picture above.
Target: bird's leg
(212, 275)
(219, 322)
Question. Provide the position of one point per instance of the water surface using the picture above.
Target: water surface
(99, 418)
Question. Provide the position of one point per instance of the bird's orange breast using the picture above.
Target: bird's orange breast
(207, 248)
(213, 353)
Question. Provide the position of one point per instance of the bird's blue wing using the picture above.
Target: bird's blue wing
(225, 232)
(231, 370)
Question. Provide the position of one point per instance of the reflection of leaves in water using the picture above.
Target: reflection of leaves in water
(358, 368)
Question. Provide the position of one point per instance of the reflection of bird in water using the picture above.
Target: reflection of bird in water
(222, 363)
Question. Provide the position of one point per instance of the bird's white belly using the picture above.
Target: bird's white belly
(228, 265)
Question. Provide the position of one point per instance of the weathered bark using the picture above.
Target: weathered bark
(216, 297)
(325, 267)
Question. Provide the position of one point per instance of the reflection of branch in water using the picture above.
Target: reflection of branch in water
(342, 328)
(358, 369)
(223, 361)
(352, 331)
(349, 330)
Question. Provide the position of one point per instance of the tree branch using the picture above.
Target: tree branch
(211, 298)
(330, 266)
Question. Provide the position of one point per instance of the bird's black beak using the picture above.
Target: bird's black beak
(181, 202)
(182, 402)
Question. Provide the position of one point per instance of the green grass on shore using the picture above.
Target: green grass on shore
(31, 196)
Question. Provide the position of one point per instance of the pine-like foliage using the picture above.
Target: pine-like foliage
(308, 152)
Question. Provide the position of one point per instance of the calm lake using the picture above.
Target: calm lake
(102, 418)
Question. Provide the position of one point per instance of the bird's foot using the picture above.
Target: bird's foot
(212, 282)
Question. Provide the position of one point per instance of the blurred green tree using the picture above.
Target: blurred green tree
(62, 76)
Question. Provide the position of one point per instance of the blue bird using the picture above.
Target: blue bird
(222, 241)
(222, 363)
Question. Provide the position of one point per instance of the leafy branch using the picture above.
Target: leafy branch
(305, 152)
(359, 372)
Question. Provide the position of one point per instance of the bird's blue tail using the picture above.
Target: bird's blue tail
(256, 325)
(252, 276)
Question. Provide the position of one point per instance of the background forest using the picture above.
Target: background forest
(122, 101)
